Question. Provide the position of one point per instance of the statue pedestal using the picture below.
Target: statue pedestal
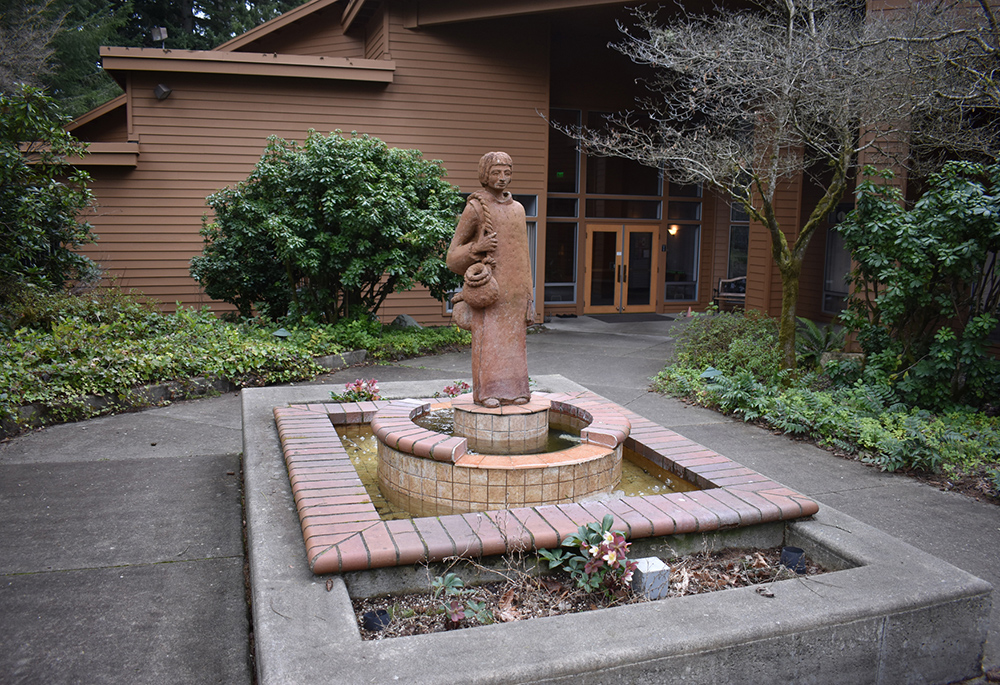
(509, 429)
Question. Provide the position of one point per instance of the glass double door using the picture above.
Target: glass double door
(621, 267)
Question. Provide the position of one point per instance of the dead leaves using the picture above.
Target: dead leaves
(523, 596)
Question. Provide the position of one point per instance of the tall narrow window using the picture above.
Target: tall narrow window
(739, 241)
(683, 246)
(564, 159)
(683, 241)
(560, 263)
(835, 279)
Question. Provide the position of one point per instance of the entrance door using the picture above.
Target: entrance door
(620, 268)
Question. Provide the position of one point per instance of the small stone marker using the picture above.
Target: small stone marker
(651, 578)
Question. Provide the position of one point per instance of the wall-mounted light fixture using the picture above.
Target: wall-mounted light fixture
(673, 228)
(160, 34)
(162, 91)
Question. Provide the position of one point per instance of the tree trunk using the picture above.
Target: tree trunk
(789, 300)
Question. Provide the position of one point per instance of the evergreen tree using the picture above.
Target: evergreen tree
(77, 80)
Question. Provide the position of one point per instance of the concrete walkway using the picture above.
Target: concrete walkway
(121, 553)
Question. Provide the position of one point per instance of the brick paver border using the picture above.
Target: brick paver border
(343, 532)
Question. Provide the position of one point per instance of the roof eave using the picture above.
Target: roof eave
(247, 64)
(285, 19)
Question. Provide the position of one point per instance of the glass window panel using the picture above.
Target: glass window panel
(623, 209)
(683, 245)
(739, 243)
(618, 176)
(838, 265)
(640, 268)
(692, 190)
(603, 268)
(560, 293)
(560, 262)
(737, 213)
(684, 211)
(529, 202)
(562, 207)
(564, 159)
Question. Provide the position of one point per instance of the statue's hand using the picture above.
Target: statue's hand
(487, 243)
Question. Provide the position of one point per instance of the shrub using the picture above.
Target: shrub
(328, 229)
(844, 408)
(61, 347)
(40, 197)
(731, 342)
(926, 293)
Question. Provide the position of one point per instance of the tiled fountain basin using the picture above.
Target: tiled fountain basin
(342, 530)
(432, 474)
(892, 615)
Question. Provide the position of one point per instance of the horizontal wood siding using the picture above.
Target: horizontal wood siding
(377, 35)
(320, 34)
(451, 98)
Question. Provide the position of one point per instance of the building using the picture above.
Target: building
(454, 79)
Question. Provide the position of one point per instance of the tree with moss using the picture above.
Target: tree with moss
(328, 229)
(746, 100)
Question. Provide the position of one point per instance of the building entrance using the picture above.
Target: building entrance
(621, 268)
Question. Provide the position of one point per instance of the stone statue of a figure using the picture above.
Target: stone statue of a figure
(490, 249)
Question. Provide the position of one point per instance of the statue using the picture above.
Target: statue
(490, 249)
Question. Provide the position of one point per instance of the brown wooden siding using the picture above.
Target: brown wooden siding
(377, 35)
(320, 34)
(763, 278)
(450, 98)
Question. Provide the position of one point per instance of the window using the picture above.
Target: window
(623, 209)
(836, 287)
(616, 175)
(739, 241)
(560, 263)
(564, 159)
(683, 241)
(683, 247)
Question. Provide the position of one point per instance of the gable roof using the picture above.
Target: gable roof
(281, 21)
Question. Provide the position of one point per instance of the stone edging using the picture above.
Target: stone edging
(342, 530)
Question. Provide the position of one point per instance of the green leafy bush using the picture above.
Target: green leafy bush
(328, 229)
(40, 197)
(60, 348)
(731, 342)
(926, 293)
(812, 341)
(845, 408)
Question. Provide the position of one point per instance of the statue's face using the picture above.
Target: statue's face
(499, 177)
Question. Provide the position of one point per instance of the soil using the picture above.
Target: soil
(523, 596)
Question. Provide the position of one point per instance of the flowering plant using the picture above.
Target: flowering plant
(455, 389)
(596, 558)
(358, 391)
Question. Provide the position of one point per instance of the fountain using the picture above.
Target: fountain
(496, 458)
(490, 489)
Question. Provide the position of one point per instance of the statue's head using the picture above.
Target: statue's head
(490, 160)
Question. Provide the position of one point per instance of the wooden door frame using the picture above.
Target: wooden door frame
(621, 261)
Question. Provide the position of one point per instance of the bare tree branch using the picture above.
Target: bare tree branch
(26, 34)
